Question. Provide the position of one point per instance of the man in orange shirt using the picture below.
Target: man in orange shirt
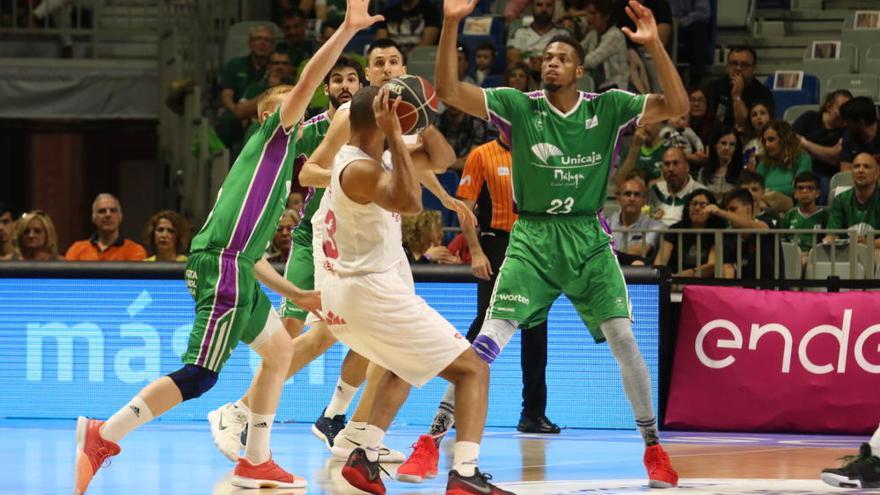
(106, 244)
(486, 182)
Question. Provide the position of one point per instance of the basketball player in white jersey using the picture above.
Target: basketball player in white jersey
(370, 285)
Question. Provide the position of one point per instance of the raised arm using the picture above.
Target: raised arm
(316, 171)
(467, 97)
(674, 100)
(297, 100)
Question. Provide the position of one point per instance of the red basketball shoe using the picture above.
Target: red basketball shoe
(661, 474)
(264, 475)
(91, 452)
(422, 463)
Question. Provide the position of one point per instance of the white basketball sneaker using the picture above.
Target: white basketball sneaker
(229, 430)
(347, 440)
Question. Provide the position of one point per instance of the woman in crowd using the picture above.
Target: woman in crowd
(703, 120)
(760, 114)
(695, 261)
(517, 77)
(724, 164)
(167, 234)
(783, 160)
(605, 47)
(34, 238)
(279, 250)
(423, 239)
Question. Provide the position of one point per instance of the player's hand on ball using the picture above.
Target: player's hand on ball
(357, 15)
(386, 113)
(646, 26)
(458, 9)
(465, 214)
(480, 266)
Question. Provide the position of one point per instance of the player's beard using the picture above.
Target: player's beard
(334, 100)
(552, 87)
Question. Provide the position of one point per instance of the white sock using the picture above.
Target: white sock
(465, 458)
(259, 430)
(132, 415)
(875, 443)
(342, 396)
(241, 405)
(371, 439)
(354, 429)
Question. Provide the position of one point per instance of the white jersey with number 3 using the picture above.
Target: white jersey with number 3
(359, 238)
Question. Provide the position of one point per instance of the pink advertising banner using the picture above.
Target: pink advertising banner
(760, 360)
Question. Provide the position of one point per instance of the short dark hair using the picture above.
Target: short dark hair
(830, 97)
(282, 52)
(807, 176)
(343, 62)
(750, 177)
(740, 194)
(4, 208)
(361, 115)
(604, 7)
(487, 46)
(292, 14)
(568, 40)
(859, 109)
(743, 48)
(385, 43)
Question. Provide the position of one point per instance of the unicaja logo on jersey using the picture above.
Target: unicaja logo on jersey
(550, 156)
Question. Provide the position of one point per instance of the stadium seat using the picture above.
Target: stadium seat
(821, 265)
(495, 36)
(824, 68)
(840, 182)
(785, 98)
(421, 61)
(493, 81)
(870, 62)
(792, 113)
(858, 84)
(236, 44)
(860, 38)
(791, 255)
(735, 14)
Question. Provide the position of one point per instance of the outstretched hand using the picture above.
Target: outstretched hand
(458, 9)
(357, 15)
(646, 26)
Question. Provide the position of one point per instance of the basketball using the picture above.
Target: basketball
(418, 102)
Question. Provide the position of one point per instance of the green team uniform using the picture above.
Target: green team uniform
(650, 160)
(846, 211)
(561, 165)
(300, 269)
(230, 306)
(794, 219)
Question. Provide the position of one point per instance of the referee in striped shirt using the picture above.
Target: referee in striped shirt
(486, 183)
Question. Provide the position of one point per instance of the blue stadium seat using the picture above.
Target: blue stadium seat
(807, 95)
(493, 81)
(361, 40)
(496, 37)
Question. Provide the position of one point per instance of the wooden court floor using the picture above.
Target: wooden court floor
(179, 458)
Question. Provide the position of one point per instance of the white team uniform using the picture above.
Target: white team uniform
(368, 282)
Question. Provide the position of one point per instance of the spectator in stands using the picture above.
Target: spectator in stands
(760, 114)
(821, 135)
(411, 23)
(484, 60)
(295, 201)
(238, 74)
(423, 239)
(167, 234)
(754, 183)
(859, 207)
(330, 12)
(518, 76)
(677, 132)
(731, 95)
(458, 246)
(295, 42)
(693, 17)
(646, 153)
(860, 116)
(527, 42)
(34, 238)
(327, 30)
(281, 7)
(783, 160)
(632, 196)
(106, 244)
(573, 26)
(724, 163)
(662, 15)
(280, 70)
(464, 132)
(807, 215)
(464, 64)
(703, 120)
(516, 9)
(605, 45)
(739, 211)
(279, 249)
(698, 258)
(6, 225)
(668, 195)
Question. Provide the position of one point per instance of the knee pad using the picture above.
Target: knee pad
(493, 337)
(193, 381)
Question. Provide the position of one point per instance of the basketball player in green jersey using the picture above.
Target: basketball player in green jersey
(563, 142)
(229, 421)
(222, 273)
